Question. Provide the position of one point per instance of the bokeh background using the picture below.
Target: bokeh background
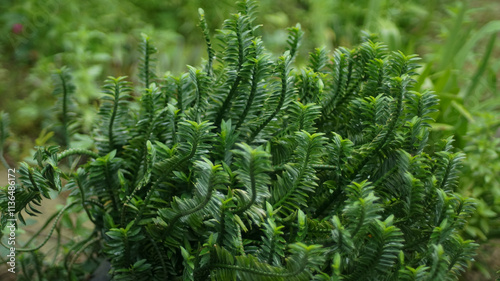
(458, 42)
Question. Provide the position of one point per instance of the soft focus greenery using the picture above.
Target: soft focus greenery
(253, 168)
(458, 41)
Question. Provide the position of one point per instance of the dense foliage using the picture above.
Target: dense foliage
(456, 39)
(248, 169)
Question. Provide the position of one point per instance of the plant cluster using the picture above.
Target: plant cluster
(455, 38)
(248, 169)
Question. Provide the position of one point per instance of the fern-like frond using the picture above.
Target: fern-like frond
(104, 177)
(414, 199)
(150, 126)
(226, 141)
(413, 274)
(310, 86)
(422, 105)
(28, 195)
(298, 180)
(341, 73)
(340, 151)
(318, 59)
(342, 238)
(237, 37)
(246, 170)
(248, 106)
(139, 271)
(201, 82)
(294, 37)
(303, 116)
(284, 94)
(64, 89)
(192, 211)
(273, 243)
(401, 64)
(361, 210)
(248, 8)
(248, 268)
(461, 255)
(386, 133)
(448, 168)
(183, 91)
(253, 165)
(206, 35)
(439, 264)
(464, 209)
(112, 130)
(194, 140)
(147, 66)
(122, 244)
(380, 253)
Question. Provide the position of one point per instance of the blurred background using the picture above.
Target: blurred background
(458, 42)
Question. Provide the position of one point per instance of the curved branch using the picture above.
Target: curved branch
(59, 215)
(76, 151)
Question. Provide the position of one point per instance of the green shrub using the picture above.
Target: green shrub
(248, 169)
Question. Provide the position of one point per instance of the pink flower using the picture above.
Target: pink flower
(17, 28)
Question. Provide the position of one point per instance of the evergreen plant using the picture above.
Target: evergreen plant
(250, 169)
